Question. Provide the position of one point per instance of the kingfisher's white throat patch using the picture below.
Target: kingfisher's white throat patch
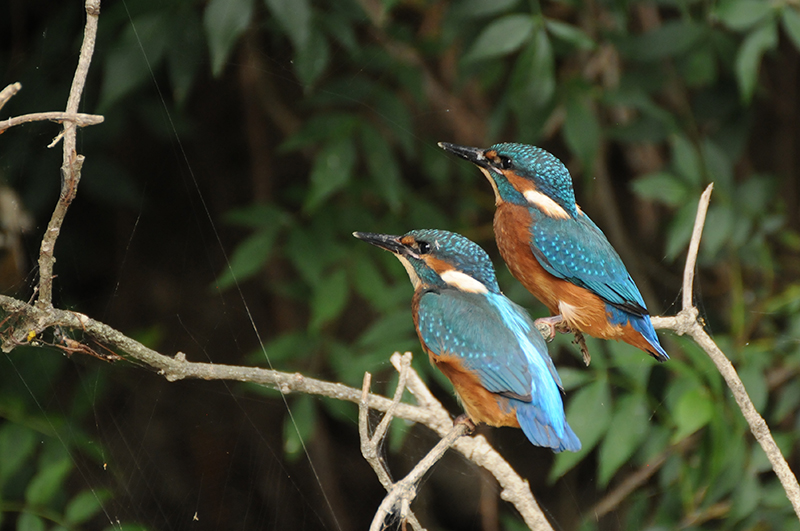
(412, 274)
(545, 204)
(463, 282)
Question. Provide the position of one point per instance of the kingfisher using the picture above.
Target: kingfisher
(556, 251)
(487, 346)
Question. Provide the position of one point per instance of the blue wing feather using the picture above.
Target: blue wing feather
(466, 325)
(498, 342)
(577, 250)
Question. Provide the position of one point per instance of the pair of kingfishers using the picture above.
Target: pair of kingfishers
(486, 345)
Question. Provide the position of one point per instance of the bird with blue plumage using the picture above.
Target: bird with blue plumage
(487, 346)
(556, 251)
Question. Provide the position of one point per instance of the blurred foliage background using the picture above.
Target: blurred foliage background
(260, 135)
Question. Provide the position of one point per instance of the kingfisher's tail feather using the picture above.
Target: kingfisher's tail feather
(642, 324)
(540, 430)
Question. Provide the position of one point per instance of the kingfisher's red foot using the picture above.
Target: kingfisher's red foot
(587, 358)
(464, 419)
(547, 326)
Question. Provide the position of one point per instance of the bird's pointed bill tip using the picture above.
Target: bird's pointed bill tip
(472, 154)
(388, 242)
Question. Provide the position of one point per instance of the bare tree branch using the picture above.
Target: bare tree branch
(30, 321)
(686, 322)
(80, 119)
(71, 163)
(405, 490)
(370, 445)
(8, 92)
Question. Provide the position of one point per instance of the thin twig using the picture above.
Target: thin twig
(80, 119)
(405, 490)
(758, 426)
(694, 247)
(71, 162)
(368, 446)
(371, 444)
(686, 322)
(8, 93)
(515, 489)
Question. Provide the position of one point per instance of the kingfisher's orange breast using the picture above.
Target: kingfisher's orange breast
(481, 405)
(582, 309)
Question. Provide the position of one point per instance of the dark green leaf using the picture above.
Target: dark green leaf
(661, 187)
(185, 54)
(257, 215)
(333, 169)
(503, 36)
(680, 231)
(717, 229)
(482, 8)
(569, 33)
(692, 411)
(788, 401)
(85, 505)
(224, 22)
(131, 62)
(686, 160)
(589, 414)
(391, 327)
(791, 25)
(573, 378)
(16, 445)
(755, 383)
(293, 345)
(303, 251)
(320, 128)
(668, 40)
(629, 427)
(298, 427)
(330, 296)
(533, 82)
(748, 60)
(582, 130)
(383, 167)
(295, 18)
(49, 479)
(746, 497)
(740, 15)
(249, 257)
(311, 60)
(126, 527)
(30, 522)
(699, 67)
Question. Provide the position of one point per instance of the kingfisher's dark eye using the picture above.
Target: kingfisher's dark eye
(505, 162)
(424, 247)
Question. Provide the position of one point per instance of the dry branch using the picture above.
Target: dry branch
(28, 320)
(79, 119)
(71, 162)
(686, 322)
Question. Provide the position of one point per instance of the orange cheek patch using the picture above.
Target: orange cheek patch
(440, 266)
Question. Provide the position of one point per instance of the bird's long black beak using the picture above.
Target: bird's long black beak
(472, 154)
(384, 241)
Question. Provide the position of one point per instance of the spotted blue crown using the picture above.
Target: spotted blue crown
(548, 173)
(463, 254)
